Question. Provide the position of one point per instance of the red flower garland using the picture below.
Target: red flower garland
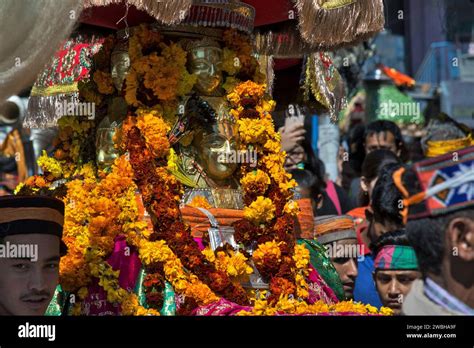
(160, 196)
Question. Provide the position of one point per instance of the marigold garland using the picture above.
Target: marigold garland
(260, 211)
(89, 232)
(293, 306)
(97, 210)
(161, 195)
(234, 263)
(158, 76)
(257, 132)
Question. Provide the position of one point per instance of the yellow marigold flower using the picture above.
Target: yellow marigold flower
(248, 89)
(237, 265)
(201, 292)
(19, 187)
(186, 82)
(261, 307)
(254, 131)
(129, 305)
(236, 112)
(131, 88)
(371, 309)
(319, 307)
(50, 165)
(301, 256)
(233, 98)
(271, 248)
(287, 185)
(154, 129)
(256, 180)
(274, 164)
(386, 311)
(209, 254)
(272, 146)
(174, 54)
(134, 48)
(291, 208)
(266, 106)
(76, 309)
(260, 211)
(302, 292)
(285, 305)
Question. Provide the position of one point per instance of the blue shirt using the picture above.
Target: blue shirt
(365, 290)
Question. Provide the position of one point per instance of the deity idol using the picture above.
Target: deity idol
(116, 109)
(206, 141)
(208, 163)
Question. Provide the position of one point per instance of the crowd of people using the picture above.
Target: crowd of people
(397, 236)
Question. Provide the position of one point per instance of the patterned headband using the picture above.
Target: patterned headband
(396, 257)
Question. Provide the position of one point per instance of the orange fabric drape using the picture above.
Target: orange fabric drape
(199, 222)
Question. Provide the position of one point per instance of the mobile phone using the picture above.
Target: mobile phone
(294, 115)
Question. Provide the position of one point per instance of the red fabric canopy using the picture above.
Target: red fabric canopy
(271, 11)
(267, 12)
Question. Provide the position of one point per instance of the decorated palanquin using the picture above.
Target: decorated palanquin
(177, 202)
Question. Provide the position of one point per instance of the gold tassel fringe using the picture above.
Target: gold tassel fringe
(328, 25)
(165, 11)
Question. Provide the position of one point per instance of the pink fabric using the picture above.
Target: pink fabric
(198, 240)
(318, 289)
(220, 308)
(385, 255)
(126, 260)
(332, 193)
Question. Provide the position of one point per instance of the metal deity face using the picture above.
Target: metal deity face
(217, 150)
(120, 64)
(205, 61)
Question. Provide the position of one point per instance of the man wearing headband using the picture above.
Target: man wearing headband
(439, 206)
(396, 268)
(337, 234)
(383, 216)
(30, 249)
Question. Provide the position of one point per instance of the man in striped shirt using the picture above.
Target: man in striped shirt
(439, 205)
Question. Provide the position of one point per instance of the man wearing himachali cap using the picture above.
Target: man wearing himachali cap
(30, 248)
(338, 235)
(439, 205)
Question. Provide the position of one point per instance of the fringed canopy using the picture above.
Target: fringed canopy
(324, 25)
(57, 85)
